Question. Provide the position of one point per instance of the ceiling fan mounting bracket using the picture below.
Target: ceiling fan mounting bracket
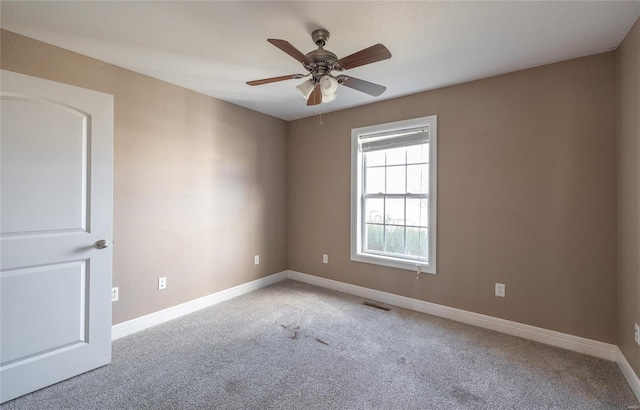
(320, 37)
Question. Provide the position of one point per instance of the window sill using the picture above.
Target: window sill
(393, 262)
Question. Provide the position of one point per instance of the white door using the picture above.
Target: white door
(56, 205)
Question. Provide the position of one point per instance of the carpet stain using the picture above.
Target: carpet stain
(235, 386)
(376, 305)
(292, 327)
(464, 396)
(297, 332)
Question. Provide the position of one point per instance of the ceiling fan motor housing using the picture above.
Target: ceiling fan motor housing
(323, 62)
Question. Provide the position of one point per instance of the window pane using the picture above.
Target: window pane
(375, 158)
(417, 212)
(418, 179)
(375, 180)
(394, 211)
(375, 238)
(417, 242)
(374, 211)
(396, 156)
(394, 239)
(396, 180)
(418, 153)
(393, 199)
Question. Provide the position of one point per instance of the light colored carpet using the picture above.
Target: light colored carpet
(295, 346)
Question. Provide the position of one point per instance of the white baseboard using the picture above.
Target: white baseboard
(550, 337)
(153, 319)
(628, 372)
(575, 343)
(578, 344)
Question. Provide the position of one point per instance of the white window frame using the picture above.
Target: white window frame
(357, 253)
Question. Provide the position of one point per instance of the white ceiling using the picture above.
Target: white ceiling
(215, 47)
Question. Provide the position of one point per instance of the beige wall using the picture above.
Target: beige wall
(527, 190)
(200, 184)
(526, 196)
(629, 194)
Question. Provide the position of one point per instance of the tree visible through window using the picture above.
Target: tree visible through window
(393, 199)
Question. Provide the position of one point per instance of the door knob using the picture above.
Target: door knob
(101, 244)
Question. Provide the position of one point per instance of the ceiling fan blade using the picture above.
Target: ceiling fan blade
(289, 49)
(315, 97)
(275, 79)
(369, 55)
(361, 85)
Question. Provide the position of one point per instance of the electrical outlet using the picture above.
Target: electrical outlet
(256, 260)
(162, 283)
(500, 289)
(114, 294)
(637, 333)
(325, 258)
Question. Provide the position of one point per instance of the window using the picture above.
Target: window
(393, 194)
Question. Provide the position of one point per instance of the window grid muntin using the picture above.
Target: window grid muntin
(384, 195)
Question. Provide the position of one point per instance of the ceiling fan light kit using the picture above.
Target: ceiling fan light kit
(328, 85)
(306, 88)
(329, 98)
(323, 85)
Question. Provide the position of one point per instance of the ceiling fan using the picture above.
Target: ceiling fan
(320, 63)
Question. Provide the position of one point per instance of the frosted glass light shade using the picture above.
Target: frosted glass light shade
(328, 85)
(329, 98)
(305, 89)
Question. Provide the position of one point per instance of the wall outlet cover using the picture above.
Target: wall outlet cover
(325, 258)
(114, 294)
(256, 260)
(500, 290)
(162, 283)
